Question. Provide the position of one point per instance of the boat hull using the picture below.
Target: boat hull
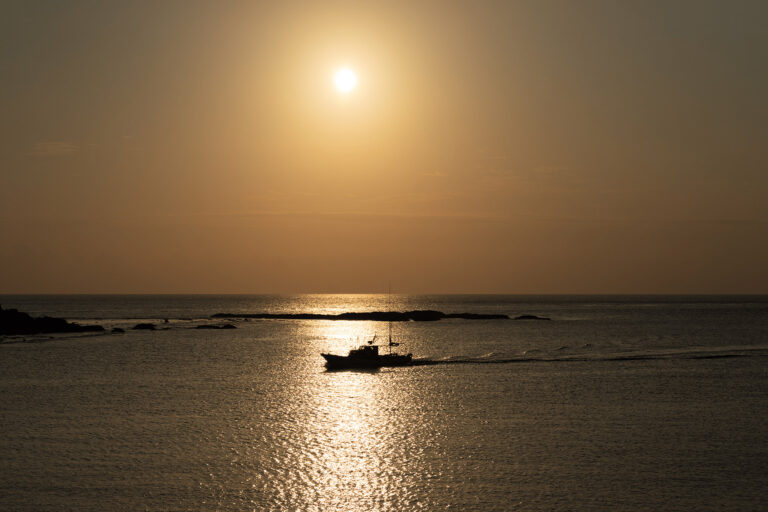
(334, 362)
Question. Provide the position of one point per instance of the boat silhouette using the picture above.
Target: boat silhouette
(368, 356)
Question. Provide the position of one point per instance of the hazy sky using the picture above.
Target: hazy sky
(489, 147)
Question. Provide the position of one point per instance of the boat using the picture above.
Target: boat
(367, 356)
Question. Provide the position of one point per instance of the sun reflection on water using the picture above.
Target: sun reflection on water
(350, 431)
(353, 437)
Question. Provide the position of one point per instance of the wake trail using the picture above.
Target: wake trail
(614, 357)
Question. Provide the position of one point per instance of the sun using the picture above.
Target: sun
(345, 80)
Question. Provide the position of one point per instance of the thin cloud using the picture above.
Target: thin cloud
(351, 215)
(53, 148)
(435, 174)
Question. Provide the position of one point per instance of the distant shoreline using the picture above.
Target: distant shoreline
(380, 316)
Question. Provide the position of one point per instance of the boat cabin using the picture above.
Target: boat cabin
(365, 351)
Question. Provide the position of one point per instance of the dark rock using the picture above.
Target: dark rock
(478, 316)
(144, 327)
(13, 321)
(117, 330)
(224, 326)
(531, 317)
(380, 316)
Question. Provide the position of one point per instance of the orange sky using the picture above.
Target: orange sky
(491, 147)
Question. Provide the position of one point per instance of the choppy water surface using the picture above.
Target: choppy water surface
(622, 403)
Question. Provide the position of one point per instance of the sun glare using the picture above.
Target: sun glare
(345, 80)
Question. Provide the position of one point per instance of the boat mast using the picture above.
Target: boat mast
(389, 299)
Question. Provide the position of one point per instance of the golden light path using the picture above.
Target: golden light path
(354, 429)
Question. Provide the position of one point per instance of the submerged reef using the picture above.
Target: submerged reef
(381, 316)
(13, 321)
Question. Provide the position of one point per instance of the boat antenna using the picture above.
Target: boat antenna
(389, 299)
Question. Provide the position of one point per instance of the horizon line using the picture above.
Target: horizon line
(289, 294)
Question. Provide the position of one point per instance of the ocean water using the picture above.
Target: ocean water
(617, 403)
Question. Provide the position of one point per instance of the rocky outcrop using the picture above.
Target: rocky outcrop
(13, 321)
(425, 315)
(531, 317)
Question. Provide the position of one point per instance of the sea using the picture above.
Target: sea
(616, 403)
